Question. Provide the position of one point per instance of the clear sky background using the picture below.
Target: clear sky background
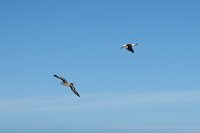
(154, 90)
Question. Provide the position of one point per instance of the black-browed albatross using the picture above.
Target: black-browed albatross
(65, 83)
(129, 46)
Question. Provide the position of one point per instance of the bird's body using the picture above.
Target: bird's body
(65, 83)
(129, 47)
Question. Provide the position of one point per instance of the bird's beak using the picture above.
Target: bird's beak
(121, 47)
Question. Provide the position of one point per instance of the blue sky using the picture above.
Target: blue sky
(156, 89)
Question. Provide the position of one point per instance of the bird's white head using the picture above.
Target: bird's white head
(124, 46)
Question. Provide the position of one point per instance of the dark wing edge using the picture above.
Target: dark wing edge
(130, 48)
(74, 90)
(63, 79)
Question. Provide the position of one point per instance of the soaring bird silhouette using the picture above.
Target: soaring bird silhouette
(129, 46)
(65, 83)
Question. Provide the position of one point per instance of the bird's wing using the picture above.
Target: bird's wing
(63, 79)
(133, 45)
(74, 90)
(130, 48)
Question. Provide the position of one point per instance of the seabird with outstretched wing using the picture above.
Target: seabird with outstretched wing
(65, 83)
(129, 47)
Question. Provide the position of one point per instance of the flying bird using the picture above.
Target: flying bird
(65, 83)
(129, 47)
